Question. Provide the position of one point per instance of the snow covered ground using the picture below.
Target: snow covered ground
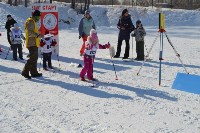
(60, 103)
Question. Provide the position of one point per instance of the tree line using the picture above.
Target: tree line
(83, 5)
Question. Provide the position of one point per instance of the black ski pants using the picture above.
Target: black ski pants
(47, 58)
(140, 49)
(126, 54)
(8, 38)
(17, 47)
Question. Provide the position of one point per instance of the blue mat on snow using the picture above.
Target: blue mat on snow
(187, 82)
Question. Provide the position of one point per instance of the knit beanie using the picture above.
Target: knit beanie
(36, 13)
(93, 35)
(87, 12)
(138, 22)
(8, 15)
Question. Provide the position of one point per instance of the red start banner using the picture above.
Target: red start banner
(48, 21)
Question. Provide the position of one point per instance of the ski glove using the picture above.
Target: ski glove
(83, 34)
(107, 45)
(54, 42)
(42, 43)
(133, 35)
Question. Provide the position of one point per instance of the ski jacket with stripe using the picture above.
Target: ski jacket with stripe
(16, 36)
(47, 45)
(90, 49)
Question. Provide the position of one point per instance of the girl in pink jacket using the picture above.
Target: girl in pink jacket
(91, 46)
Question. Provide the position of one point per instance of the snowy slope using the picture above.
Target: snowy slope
(108, 16)
(60, 103)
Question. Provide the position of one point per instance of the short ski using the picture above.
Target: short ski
(94, 83)
(54, 69)
(133, 60)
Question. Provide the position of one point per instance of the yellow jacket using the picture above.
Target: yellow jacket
(31, 32)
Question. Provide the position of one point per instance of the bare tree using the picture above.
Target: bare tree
(16, 3)
(107, 2)
(26, 3)
(10, 2)
(86, 5)
(73, 4)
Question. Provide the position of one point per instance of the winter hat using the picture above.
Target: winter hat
(87, 12)
(138, 22)
(8, 15)
(93, 35)
(36, 13)
(124, 11)
(16, 25)
(47, 34)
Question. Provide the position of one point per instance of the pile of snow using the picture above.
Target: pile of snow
(107, 15)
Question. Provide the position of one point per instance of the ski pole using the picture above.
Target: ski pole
(132, 48)
(145, 58)
(58, 62)
(24, 43)
(116, 78)
(112, 53)
(146, 50)
(7, 52)
(41, 57)
(93, 85)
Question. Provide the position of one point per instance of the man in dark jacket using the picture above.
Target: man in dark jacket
(125, 27)
(9, 23)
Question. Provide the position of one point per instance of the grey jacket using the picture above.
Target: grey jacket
(139, 34)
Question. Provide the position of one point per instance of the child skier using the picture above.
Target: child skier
(91, 46)
(16, 37)
(139, 34)
(47, 42)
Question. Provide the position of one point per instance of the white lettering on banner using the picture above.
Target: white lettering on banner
(35, 8)
(49, 7)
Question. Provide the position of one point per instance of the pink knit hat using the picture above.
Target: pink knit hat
(93, 35)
